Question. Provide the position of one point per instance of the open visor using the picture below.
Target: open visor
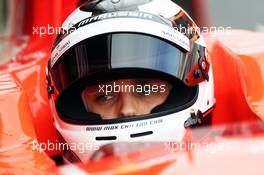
(120, 50)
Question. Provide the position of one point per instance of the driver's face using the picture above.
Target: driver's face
(125, 97)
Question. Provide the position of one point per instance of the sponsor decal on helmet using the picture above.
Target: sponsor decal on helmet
(175, 37)
(125, 125)
(60, 49)
(134, 14)
(117, 14)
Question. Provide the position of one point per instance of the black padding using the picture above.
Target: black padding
(70, 106)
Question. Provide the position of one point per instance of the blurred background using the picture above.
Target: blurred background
(237, 14)
(242, 14)
(4, 10)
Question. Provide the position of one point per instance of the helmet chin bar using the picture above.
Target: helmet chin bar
(108, 149)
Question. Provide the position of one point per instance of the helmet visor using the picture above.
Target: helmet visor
(120, 50)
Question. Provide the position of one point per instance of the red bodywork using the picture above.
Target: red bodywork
(237, 58)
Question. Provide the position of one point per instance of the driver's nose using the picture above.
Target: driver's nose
(128, 105)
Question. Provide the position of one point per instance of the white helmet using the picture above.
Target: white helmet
(106, 40)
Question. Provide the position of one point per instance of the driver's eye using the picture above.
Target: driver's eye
(104, 98)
